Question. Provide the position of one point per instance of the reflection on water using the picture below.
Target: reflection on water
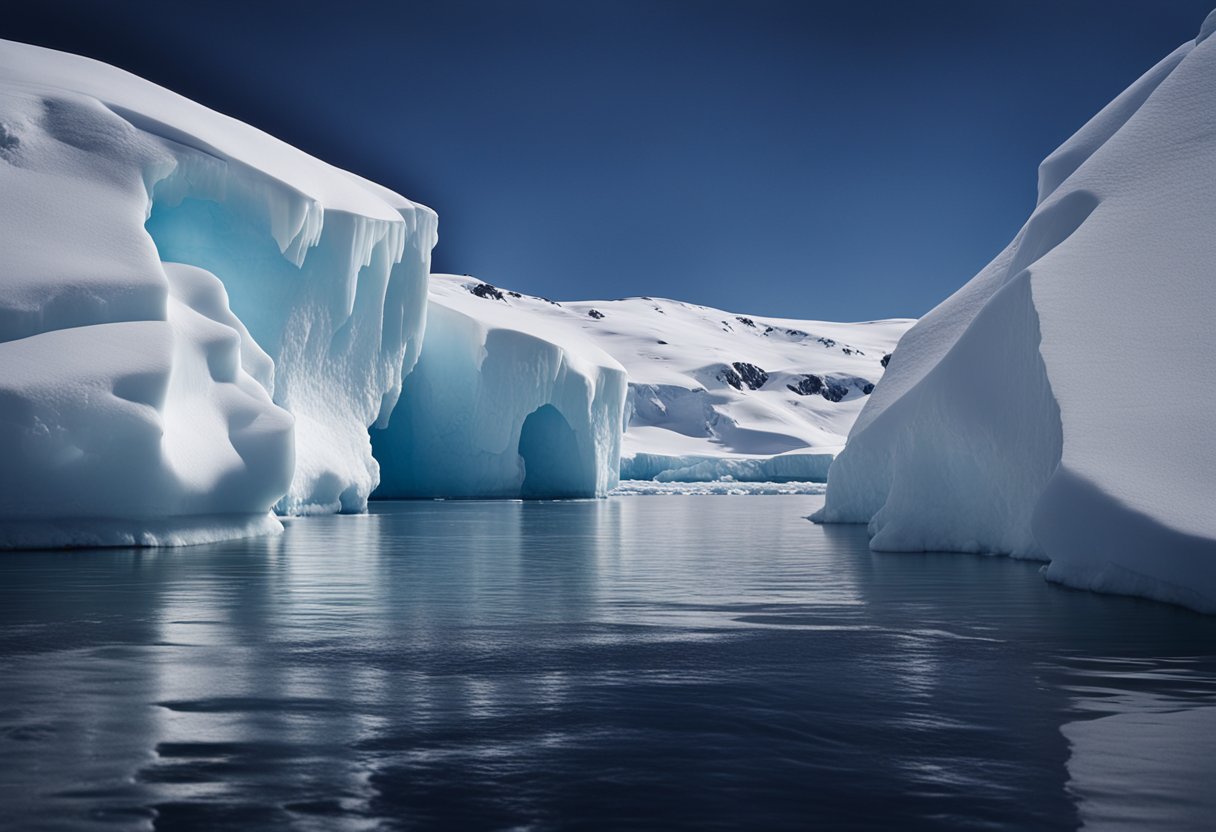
(705, 662)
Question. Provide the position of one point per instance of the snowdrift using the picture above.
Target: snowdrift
(177, 286)
(502, 403)
(1059, 406)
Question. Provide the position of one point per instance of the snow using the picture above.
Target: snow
(132, 401)
(1056, 406)
(152, 396)
(140, 432)
(502, 403)
(685, 419)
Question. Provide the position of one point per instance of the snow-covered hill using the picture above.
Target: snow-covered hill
(711, 393)
(1061, 404)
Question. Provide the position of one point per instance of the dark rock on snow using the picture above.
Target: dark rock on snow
(485, 290)
(741, 373)
(833, 391)
(808, 386)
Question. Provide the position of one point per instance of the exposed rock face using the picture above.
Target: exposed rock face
(810, 385)
(833, 390)
(487, 291)
(740, 373)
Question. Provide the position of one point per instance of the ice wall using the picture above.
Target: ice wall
(1056, 406)
(105, 178)
(132, 405)
(501, 404)
(792, 466)
(340, 325)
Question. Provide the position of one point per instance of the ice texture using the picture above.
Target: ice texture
(720, 487)
(502, 403)
(176, 287)
(793, 466)
(1058, 405)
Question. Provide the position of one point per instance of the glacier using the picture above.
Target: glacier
(712, 395)
(1055, 407)
(198, 322)
(502, 404)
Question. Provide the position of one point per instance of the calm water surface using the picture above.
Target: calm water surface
(652, 662)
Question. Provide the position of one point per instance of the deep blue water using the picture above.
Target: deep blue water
(642, 662)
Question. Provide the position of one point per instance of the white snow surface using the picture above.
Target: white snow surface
(175, 283)
(684, 420)
(1059, 406)
(502, 403)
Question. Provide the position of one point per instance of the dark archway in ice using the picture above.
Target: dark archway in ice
(553, 466)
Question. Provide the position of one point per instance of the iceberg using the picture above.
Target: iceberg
(1055, 406)
(502, 403)
(197, 321)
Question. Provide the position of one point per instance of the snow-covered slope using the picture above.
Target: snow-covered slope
(130, 389)
(711, 393)
(502, 403)
(1060, 405)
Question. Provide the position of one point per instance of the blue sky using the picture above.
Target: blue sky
(840, 160)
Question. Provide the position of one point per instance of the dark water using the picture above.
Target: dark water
(642, 662)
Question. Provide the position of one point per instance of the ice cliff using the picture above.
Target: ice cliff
(502, 403)
(711, 395)
(1060, 405)
(177, 290)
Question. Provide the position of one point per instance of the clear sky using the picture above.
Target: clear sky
(836, 160)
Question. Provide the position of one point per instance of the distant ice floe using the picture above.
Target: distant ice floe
(630, 488)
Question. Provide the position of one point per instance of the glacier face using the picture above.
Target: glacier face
(502, 404)
(341, 326)
(1054, 406)
(712, 394)
(179, 289)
